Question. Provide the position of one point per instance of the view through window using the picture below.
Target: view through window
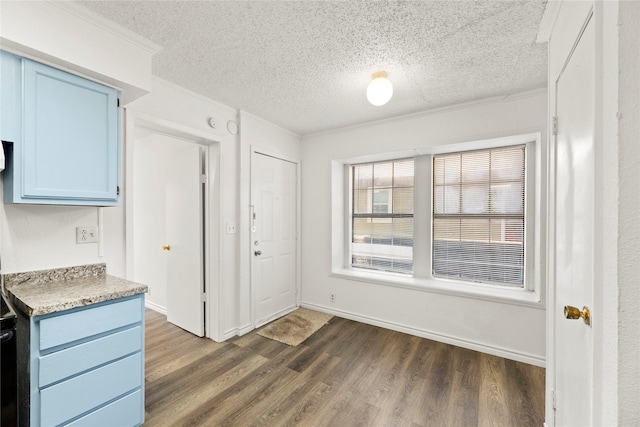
(382, 216)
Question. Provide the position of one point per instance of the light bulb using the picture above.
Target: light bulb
(380, 89)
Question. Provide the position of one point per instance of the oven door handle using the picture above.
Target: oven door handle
(6, 336)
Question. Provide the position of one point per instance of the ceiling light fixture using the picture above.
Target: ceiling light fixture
(380, 89)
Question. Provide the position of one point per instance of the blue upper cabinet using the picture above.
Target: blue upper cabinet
(64, 134)
(10, 90)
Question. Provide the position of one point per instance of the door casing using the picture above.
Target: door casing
(212, 207)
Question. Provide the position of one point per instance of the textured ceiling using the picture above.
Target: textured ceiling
(305, 65)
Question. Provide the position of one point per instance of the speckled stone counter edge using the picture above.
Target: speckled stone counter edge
(50, 291)
(55, 274)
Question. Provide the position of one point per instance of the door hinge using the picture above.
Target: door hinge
(554, 125)
(117, 190)
(203, 178)
(203, 297)
(553, 400)
(118, 102)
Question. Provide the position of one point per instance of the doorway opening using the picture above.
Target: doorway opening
(169, 223)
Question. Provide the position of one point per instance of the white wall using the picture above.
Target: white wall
(183, 113)
(43, 237)
(628, 391)
(69, 36)
(40, 237)
(606, 223)
(258, 135)
(229, 182)
(505, 329)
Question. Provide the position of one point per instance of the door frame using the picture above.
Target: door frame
(298, 263)
(212, 213)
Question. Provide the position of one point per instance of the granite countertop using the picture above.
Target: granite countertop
(48, 291)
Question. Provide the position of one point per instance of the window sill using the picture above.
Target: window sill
(485, 292)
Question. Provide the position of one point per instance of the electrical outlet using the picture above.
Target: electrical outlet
(332, 298)
(231, 228)
(88, 234)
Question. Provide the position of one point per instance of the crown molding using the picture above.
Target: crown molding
(551, 12)
(107, 25)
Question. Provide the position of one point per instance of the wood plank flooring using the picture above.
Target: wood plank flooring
(346, 374)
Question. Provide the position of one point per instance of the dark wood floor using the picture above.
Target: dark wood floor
(346, 374)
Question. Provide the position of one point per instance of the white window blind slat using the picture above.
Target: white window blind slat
(478, 215)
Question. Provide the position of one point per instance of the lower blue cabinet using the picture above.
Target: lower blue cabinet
(87, 366)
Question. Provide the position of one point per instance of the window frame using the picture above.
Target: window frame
(530, 294)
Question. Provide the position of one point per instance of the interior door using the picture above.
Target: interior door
(273, 235)
(168, 226)
(184, 231)
(574, 232)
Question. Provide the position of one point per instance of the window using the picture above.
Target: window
(478, 215)
(382, 216)
(464, 218)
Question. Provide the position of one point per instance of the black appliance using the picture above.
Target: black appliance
(8, 365)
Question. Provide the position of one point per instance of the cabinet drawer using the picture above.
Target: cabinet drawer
(81, 394)
(124, 412)
(62, 329)
(73, 360)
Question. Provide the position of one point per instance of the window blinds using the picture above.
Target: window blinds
(478, 215)
(382, 216)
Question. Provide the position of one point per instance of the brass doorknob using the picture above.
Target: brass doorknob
(166, 247)
(571, 312)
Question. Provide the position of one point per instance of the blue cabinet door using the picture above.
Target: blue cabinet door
(10, 93)
(70, 146)
(61, 135)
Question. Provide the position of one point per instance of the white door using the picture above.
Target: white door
(273, 237)
(574, 232)
(168, 227)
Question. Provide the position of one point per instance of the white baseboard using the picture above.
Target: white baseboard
(242, 330)
(276, 316)
(471, 345)
(239, 331)
(155, 307)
